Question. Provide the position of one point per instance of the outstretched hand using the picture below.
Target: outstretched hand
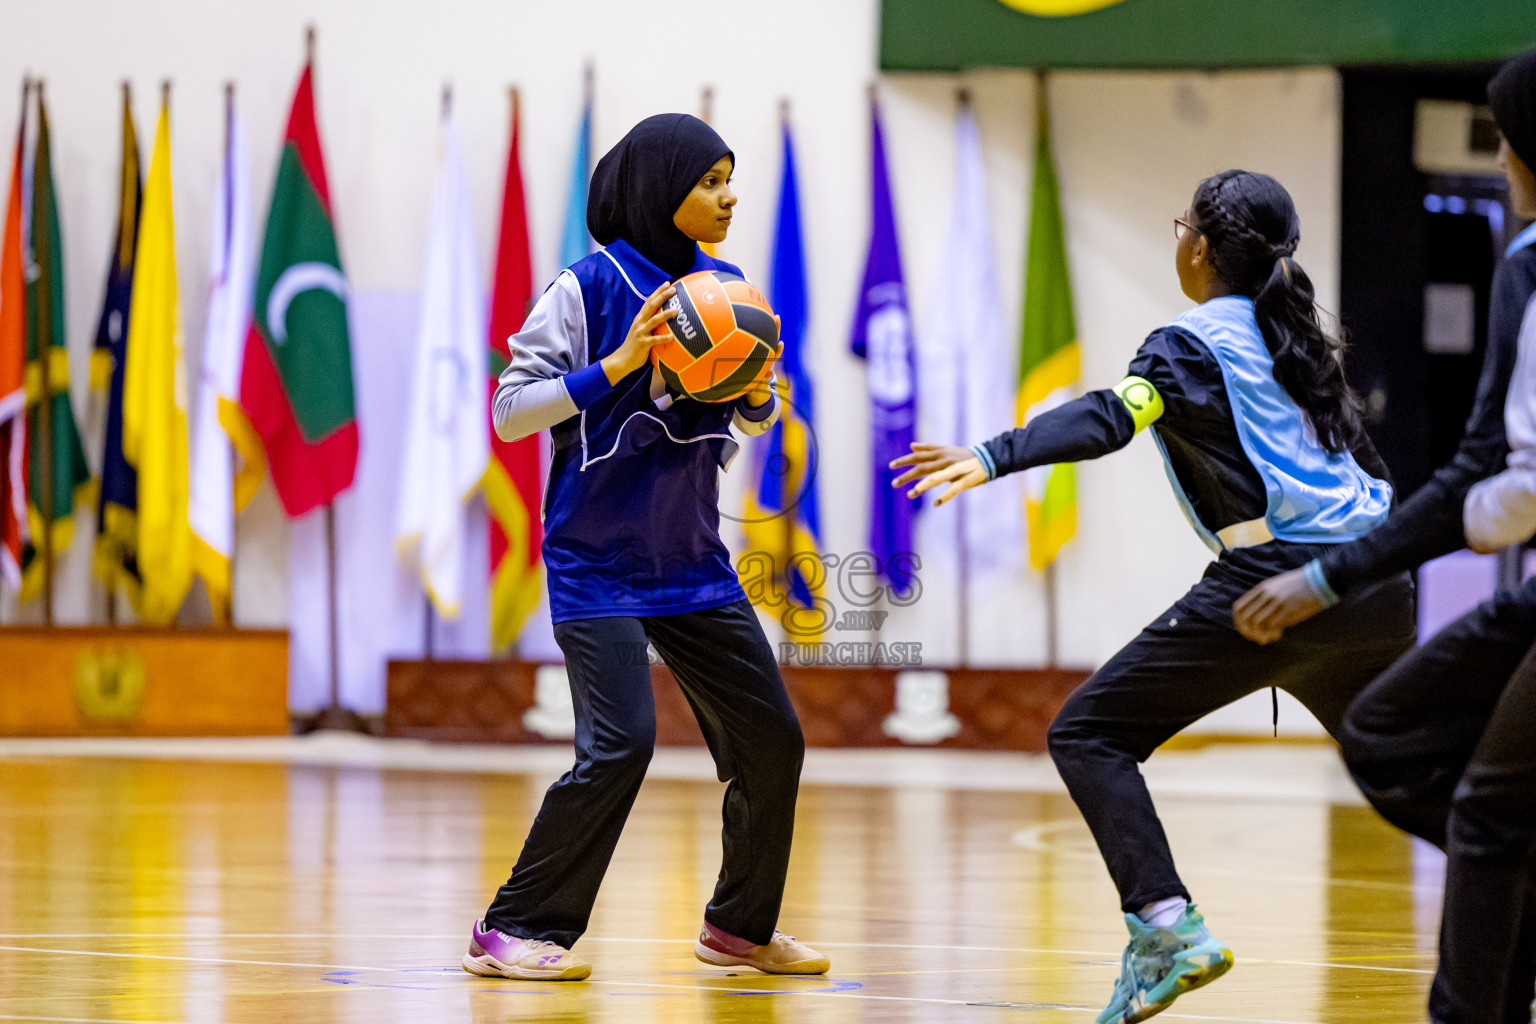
(1269, 609)
(939, 464)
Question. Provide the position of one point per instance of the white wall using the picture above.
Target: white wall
(1130, 147)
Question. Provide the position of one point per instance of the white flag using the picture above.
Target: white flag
(213, 499)
(968, 365)
(447, 445)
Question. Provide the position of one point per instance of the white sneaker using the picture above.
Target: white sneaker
(494, 953)
(782, 955)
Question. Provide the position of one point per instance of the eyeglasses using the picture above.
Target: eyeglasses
(1180, 225)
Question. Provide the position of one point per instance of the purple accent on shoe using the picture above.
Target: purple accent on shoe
(726, 942)
(486, 940)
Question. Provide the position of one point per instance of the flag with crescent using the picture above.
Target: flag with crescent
(296, 390)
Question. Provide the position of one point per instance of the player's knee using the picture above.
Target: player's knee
(628, 753)
(1486, 822)
(1066, 739)
(782, 735)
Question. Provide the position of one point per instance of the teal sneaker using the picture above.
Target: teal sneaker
(1161, 964)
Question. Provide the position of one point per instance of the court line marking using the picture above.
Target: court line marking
(643, 984)
(195, 959)
(456, 936)
(86, 1020)
(1360, 967)
(1035, 839)
(979, 1004)
(1254, 961)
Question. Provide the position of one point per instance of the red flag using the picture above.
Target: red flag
(296, 382)
(512, 483)
(13, 394)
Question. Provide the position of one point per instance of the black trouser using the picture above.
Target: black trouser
(725, 667)
(1444, 746)
(1180, 668)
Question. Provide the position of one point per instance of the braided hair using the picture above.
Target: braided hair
(1251, 225)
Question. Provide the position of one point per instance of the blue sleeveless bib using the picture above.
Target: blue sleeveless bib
(1315, 496)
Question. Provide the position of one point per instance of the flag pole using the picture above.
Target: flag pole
(429, 616)
(882, 604)
(45, 426)
(707, 105)
(229, 599)
(111, 583)
(333, 716)
(1052, 617)
(963, 99)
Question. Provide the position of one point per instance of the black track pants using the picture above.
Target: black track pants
(725, 667)
(1184, 666)
(1444, 746)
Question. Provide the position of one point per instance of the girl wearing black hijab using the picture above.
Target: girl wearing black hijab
(634, 557)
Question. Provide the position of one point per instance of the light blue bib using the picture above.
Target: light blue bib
(1315, 496)
(1520, 241)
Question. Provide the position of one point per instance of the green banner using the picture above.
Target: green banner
(952, 35)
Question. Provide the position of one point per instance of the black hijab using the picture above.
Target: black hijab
(1512, 95)
(639, 184)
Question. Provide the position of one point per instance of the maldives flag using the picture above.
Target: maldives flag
(296, 376)
(512, 486)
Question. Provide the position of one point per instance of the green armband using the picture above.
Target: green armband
(1141, 400)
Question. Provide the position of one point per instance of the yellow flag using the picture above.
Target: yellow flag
(155, 397)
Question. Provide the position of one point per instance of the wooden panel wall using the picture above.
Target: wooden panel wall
(992, 709)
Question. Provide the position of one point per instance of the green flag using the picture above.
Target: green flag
(58, 476)
(1049, 361)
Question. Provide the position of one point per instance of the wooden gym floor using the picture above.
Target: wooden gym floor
(335, 881)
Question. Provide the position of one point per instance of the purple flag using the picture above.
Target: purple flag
(882, 335)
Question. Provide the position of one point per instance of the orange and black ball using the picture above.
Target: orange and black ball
(722, 338)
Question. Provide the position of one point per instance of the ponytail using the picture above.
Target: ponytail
(1253, 230)
(1309, 362)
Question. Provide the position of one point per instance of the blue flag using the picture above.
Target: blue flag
(115, 558)
(882, 335)
(575, 243)
(782, 521)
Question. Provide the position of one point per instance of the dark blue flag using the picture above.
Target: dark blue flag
(782, 523)
(882, 335)
(116, 555)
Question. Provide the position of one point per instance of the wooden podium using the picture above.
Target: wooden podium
(142, 681)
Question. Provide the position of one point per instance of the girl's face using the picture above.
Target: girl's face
(1522, 182)
(1192, 258)
(705, 215)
